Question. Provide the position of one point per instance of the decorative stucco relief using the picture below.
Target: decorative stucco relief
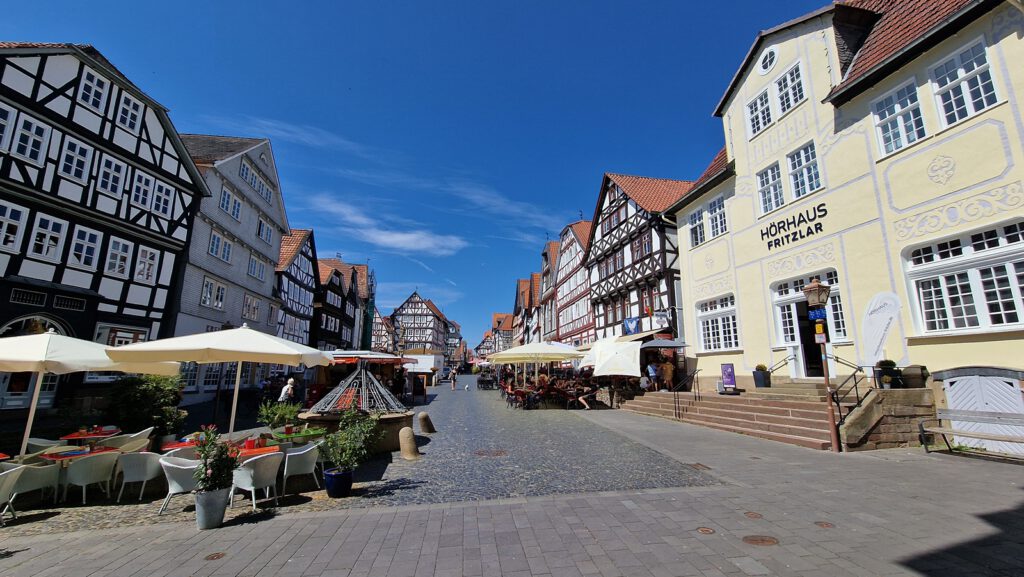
(941, 169)
(715, 286)
(800, 262)
(844, 127)
(985, 204)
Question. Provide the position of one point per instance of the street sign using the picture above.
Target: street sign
(819, 329)
(817, 314)
(820, 339)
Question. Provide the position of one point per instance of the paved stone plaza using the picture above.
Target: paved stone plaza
(596, 493)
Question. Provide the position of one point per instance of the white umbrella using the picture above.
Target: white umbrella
(227, 346)
(619, 359)
(58, 354)
(536, 353)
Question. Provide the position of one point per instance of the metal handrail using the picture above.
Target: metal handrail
(838, 397)
(784, 362)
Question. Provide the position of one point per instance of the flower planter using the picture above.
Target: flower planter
(762, 379)
(210, 508)
(338, 483)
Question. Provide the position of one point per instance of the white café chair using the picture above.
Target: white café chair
(143, 434)
(8, 480)
(35, 444)
(183, 453)
(134, 446)
(94, 469)
(259, 472)
(117, 441)
(180, 475)
(300, 461)
(138, 467)
(239, 436)
(36, 476)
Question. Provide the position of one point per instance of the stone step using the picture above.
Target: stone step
(809, 442)
(792, 429)
(818, 414)
(739, 400)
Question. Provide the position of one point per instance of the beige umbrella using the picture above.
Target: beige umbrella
(535, 353)
(227, 346)
(54, 353)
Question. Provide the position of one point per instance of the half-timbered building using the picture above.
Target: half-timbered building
(296, 284)
(329, 309)
(97, 200)
(633, 255)
(354, 282)
(574, 315)
(384, 336)
(520, 312)
(452, 344)
(486, 345)
(423, 327)
(548, 275)
(502, 330)
(236, 243)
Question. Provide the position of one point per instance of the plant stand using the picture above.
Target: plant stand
(210, 508)
(762, 379)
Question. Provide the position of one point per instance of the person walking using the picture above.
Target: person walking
(287, 392)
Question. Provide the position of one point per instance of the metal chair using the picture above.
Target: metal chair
(180, 475)
(259, 472)
(94, 469)
(300, 461)
(138, 467)
(8, 481)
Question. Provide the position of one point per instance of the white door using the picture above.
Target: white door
(990, 394)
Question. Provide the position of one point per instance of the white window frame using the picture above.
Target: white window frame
(265, 230)
(1003, 249)
(221, 248)
(789, 91)
(146, 262)
(784, 305)
(718, 314)
(251, 307)
(696, 221)
(807, 170)
(7, 222)
(71, 154)
(58, 249)
(163, 198)
(768, 188)
(214, 297)
(107, 165)
(759, 113)
(118, 258)
(899, 116)
(124, 111)
(89, 98)
(140, 184)
(7, 125)
(961, 82)
(716, 216)
(257, 267)
(28, 126)
(75, 262)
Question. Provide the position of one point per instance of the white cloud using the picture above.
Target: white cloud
(421, 263)
(302, 134)
(391, 294)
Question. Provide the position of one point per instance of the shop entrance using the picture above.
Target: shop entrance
(810, 350)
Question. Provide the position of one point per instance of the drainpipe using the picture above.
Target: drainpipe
(677, 310)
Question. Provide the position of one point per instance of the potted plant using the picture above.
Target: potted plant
(275, 415)
(346, 449)
(887, 368)
(886, 382)
(214, 477)
(762, 377)
(169, 423)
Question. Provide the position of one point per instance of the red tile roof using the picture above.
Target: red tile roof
(535, 297)
(208, 149)
(581, 228)
(433, 308)
(326, 271)
(362, 275)
(719, 166)
(652, 194)
(501, 322)
(551, 249)
(291, 244)
(902, 25)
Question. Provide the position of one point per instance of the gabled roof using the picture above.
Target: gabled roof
(523, 292)
(433, 308)
(326, 271)
(718, 169)
(501, 322)
(535, 295)
(208, 149)
(551, 249)
(346, 269)
(652, 194)
(291, 244)
(581, 228)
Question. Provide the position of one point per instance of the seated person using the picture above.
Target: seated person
(588, 392)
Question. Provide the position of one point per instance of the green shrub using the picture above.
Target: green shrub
(138, 402)
(350, 446)
(218, 460)
(276, 415)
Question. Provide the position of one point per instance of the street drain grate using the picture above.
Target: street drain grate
(700, 466)
(824, 524)
(490, 453)
(761, 540)
(705, 530)
(214, 556)
(753, 515)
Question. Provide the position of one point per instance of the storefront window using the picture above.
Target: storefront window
(718, 327)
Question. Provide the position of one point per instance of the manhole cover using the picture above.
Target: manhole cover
(700, 466)
(214, 556)
(762, 540)
(490, 453)
(753, 515)
(824, 524)
(705, 530)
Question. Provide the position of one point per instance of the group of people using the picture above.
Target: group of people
(528, 392)
(659, 374)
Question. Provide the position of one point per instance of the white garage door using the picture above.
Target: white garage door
(991, 394)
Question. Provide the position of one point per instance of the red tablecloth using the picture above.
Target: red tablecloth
(94, 434)
(4, 456)
(171, 446)
(68, 455)
(244, 454)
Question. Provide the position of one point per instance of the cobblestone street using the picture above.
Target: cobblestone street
(509, 492)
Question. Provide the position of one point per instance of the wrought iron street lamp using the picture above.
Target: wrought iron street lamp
(817, 294)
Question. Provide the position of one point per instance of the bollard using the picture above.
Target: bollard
(426, 425)
(407, 442)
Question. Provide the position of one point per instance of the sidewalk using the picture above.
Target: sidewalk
(897, 512)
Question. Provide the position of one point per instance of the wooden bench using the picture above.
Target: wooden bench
(1013, 419)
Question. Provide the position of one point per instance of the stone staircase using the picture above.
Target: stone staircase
(797, 415)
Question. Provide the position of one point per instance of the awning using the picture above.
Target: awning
(638, 336)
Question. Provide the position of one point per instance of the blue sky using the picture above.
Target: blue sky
(441, 141)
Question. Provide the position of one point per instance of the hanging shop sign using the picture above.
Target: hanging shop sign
(661, 318)
(631, 325)
(797, 227)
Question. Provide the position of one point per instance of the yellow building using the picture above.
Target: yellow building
(877, 145)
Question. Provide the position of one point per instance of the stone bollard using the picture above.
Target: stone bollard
(407, 442)
(426, 425)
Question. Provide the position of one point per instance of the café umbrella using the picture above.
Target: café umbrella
(237, 345)
(535, 353)
(58, 354)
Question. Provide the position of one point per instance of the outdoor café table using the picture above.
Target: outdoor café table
(90, 435)
(177, 445)
(4, 456)
(64, 458)
(302, 436)
(244, 453)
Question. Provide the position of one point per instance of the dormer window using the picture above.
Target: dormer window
(93, 90)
